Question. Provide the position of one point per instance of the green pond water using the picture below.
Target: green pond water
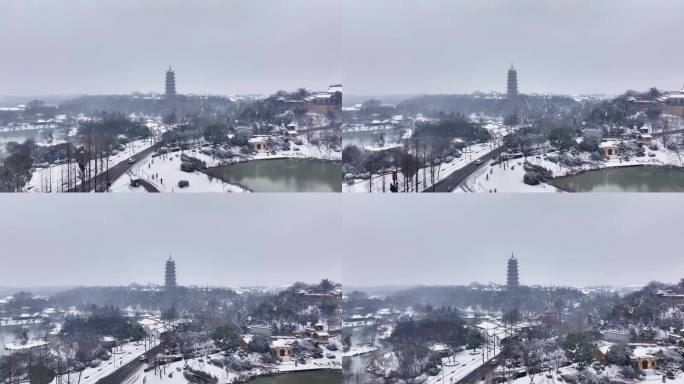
(283, 175)
(624, 179)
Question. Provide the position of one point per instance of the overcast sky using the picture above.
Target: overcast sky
(576, 240)
(269, 240)
(445, 46)
(216, 46)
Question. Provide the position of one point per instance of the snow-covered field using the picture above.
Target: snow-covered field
(305, 151)
(470, 153)
(164, 173)
(611, 372)
(498, 179)
(458, 366)
(172, 373)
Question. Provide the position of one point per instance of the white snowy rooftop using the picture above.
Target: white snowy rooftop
(645, 350)
(282, 342)
(609, 144)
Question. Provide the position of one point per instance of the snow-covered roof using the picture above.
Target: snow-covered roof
(642, 351)
(609, 144)
(282, 342)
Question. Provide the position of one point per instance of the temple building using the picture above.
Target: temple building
(674, 104)
(170, 88)
(512, 273)
(512, 84)
(170, 274)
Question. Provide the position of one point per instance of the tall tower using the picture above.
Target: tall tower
(512, 83)
(170, 274)
(512, 273)
(170, 83)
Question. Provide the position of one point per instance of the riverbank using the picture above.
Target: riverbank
(163, 171)
(508, 176)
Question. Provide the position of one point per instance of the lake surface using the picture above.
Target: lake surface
(283, 175)
(308, 377)
(367, 138)
(624, 179)
(357, 364)
(10, 333)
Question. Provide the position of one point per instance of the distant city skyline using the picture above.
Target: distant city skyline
(572, 47)
(215, 240)
(583, 240)
(216, 47)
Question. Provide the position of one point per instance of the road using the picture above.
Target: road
(118, 170)
(449, 183)
(121, 374)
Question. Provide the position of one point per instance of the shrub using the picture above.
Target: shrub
(618, 354)
(628, 372)
(259, 344)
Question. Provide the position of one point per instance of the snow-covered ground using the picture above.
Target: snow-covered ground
(470, 153)
(305, 151)
(459, 365)
(498, 178)
(164, 173)
(610, 372)
(172, 373)
(510, 179)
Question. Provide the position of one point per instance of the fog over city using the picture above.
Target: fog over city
(579, 240)
(568, 47)
(215, 239)
(116, 47)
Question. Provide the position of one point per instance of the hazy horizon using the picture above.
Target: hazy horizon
(583, 240)
(218, 240)
(216, 47)
(447, 47)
